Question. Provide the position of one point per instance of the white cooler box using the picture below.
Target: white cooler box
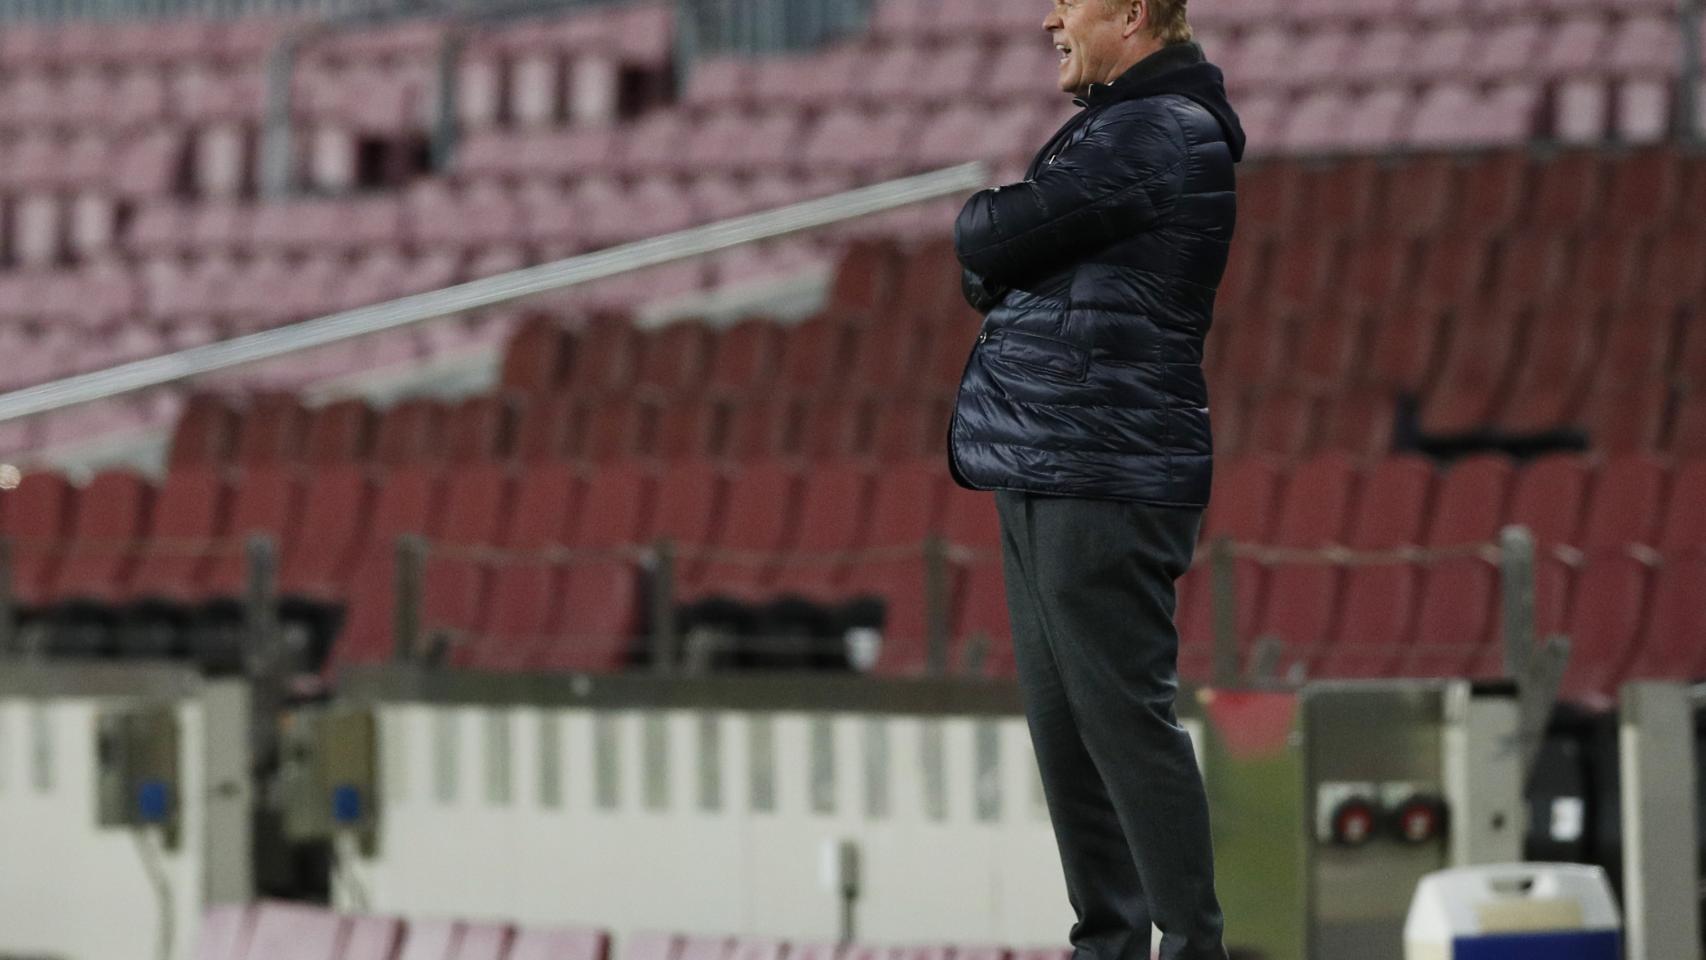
(1537, 911)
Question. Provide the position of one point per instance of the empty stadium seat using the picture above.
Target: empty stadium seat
(1454, 619)
(1380, 599)
(372, 938)
(190, 514)
(293, 930)
(113, 512)
(535, 944)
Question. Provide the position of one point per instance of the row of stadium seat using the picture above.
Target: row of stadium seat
(1621, 554)
(953, 18)
(1620, 570)
(289, 931)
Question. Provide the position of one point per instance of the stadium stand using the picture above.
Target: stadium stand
(1373, 304)
(275, 930)
(136, 226)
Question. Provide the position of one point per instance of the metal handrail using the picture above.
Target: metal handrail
(490, 291)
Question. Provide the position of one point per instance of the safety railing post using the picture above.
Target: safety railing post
(411, 597)
(1516, 574)
(664, 641)
(8, 610)
(936, 605)
(1537, 666)
(1223, 570)
(260, 607)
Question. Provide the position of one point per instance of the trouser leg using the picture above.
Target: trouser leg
(1098, 580)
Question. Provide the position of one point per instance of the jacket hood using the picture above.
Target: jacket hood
(1180, 69)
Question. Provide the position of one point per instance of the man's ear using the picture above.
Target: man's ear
(1136, 18)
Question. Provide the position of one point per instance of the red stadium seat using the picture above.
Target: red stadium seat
(1300, 599)
(1627, 499)
(477, 510)
(1688, 433)
(1242, 508)
(410, 501)
(1607, 623)
(615, 508)
(480, 429)
(909, 427)
(1474, 372)
(273, 430)
(267, 501)
(1405, 354)
(676, 358)
(37, 517)
(761, 520)
(1380, 600)
(537, 357)
(324, 548)
(691, 495)
(100, 556)
(746, 356)
(830, 427)
(1455, 616)
(815, 352)
(835, 504)
(189, 514)
(905, 510)
(548, 429)
(617, 428)
(1675, 621)
(340, 433)
(205, 433)
(410, 432)
(606, 356)
(686, 430)
(1550, 377)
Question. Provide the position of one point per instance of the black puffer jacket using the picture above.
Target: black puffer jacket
(1098, 273)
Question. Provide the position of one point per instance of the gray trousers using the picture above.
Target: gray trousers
(1090, 588)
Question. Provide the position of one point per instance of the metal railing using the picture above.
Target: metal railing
(489, 292)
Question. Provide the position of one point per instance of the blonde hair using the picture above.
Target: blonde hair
(1167, 18)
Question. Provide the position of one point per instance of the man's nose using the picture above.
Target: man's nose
(1052, 22)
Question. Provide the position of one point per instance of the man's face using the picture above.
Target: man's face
(1091, 39)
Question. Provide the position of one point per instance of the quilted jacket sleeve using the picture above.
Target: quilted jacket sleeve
(1115, 181)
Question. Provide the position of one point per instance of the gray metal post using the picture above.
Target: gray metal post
(1692, 125)
(1661, 882)
(260, 608)
(8, 611)
(663, 607)
(1516, 572)
(447, 125)
(278, 148)
(1223, 569)
(411, 596)
(936, 605)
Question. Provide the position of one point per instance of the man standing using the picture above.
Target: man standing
(1084, 406)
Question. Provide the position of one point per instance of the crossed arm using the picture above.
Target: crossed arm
(1115, 181)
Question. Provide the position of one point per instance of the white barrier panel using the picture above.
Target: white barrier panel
(1533, 911)
(71, 890)
(713, 821)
